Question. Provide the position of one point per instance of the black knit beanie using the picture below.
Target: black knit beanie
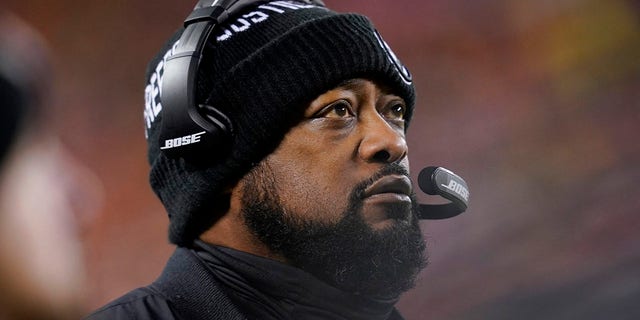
(262, 70)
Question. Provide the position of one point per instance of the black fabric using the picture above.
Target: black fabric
(220, 283)
(141, 304)
(269, 290)
(263, 74)
(185, 290)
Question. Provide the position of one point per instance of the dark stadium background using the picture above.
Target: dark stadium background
(535, 103)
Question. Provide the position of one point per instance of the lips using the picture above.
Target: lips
(391, 184)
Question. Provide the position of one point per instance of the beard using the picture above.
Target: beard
(348, 254)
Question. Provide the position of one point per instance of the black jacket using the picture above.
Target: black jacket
(184, 290)
(204, 285)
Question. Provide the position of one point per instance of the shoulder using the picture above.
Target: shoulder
(141, 303)
(184, 290)
(395, 315)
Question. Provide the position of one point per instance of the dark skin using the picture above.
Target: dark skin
(347, 135)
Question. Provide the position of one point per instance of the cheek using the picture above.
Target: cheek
(311, 184)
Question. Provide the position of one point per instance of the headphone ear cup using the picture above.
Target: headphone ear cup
(215, 139)
(221, 122)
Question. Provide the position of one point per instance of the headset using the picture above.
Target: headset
(189, 129)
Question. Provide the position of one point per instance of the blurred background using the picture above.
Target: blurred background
(535, 103)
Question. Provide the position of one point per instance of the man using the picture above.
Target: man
(307, 211)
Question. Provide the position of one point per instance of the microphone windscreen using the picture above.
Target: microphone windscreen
(426, 181)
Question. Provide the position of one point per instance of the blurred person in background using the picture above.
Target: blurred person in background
(45, 195)
(304, 208)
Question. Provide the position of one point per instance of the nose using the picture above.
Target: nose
(382, 142)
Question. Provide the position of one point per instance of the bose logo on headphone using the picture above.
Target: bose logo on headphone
(182, 141)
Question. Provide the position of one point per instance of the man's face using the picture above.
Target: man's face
(335, 198)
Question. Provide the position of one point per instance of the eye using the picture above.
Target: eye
(395, 111)
(337, 109)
